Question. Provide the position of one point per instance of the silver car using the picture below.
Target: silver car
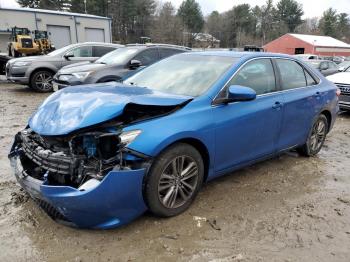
(38, 71)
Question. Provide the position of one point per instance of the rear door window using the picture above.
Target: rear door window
(98, 51)
(166, 52)
(258, 75)
(147, 57)
(310, 81)
(292, 74)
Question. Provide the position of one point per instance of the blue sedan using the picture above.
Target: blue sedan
(99, 156)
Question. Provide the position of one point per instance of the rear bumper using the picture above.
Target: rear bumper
(115, 201)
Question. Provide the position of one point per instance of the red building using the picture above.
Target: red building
(308, 44)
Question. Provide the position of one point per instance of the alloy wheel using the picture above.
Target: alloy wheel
(318, 135)
(43, 81)
(178, 182)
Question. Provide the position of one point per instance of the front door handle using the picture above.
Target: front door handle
(277, 105)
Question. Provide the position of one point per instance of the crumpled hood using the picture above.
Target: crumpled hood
(73, 108)
(340, 78)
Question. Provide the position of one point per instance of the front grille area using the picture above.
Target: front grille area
(46, 159)
(18, 75)
(344, 89)
(50, 210)
(27, 43)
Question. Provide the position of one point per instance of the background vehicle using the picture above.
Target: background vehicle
(343, 66)
(37, 72)
(307, 57)
(3, 61)
(116, 65)
(41, 38)
(253, 48)
(22, 43)
(325, 67)
(342, 80)
(114, 150)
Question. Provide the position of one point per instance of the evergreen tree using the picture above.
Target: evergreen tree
(290, 12)
(329, 22)
(192, 18)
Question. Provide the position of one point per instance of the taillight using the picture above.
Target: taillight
(338, 92)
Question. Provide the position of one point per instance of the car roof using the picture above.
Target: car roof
(154, 45)
(318, 60)
(239, 54)
(96, 43)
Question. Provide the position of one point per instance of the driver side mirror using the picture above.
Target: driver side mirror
(134, 64)
(68, 56)
(236, 93)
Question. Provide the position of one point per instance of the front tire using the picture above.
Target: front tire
(174, 180)
(316, 138)
(41, 81)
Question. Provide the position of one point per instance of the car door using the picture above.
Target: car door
(301, 93)
(245, 131)
(78, 54)
(333, 68)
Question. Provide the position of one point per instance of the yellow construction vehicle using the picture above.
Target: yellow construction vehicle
(21, 43)
(41, 38)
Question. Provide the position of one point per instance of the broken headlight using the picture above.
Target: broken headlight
(128, 136)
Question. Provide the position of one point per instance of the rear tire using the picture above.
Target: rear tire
(41, 81)
(316, 137)
(174, 180)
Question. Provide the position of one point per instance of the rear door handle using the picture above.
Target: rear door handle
(277, 105)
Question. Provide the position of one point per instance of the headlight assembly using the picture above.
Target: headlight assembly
(20, 63)
(128, 136)
(64, 77)
(82, 75)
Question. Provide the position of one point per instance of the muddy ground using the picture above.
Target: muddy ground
(286, 209)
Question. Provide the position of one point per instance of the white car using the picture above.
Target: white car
(342, 80)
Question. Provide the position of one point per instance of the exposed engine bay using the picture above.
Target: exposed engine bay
(85, 154)
(73, 160)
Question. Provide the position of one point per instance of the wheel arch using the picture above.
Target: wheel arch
(199, 146)
(328, 115)
(40, 69)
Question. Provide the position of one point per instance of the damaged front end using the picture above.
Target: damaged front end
(74, 160)
(90, 179)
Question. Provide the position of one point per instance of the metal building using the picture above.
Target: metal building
(308, 44)
(65, 28)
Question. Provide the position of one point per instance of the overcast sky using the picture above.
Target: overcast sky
(311, 7)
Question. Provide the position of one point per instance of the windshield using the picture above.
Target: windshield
(119, 56)
(40, 34)
(344, 64)
(314, 64)
(183, 74)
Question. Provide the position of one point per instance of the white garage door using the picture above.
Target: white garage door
(4, 39)
(60, 35)
(94, 35)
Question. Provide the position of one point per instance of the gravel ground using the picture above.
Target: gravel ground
(286, 209)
